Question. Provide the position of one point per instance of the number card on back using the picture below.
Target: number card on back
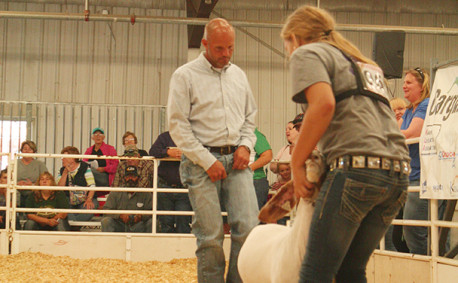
(372, 79)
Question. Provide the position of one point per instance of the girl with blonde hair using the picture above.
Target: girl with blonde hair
(349, 118)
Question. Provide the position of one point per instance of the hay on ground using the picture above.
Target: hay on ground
(39, 267)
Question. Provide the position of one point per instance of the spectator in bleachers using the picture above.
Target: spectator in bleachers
(4, 181)
(128, 201)
(47, 199)
(261, 156)
(75, 173)
(416, 90)
(284, 170)
(28, 169)
(399, 106)
(145, 169)
(169, 177)
(129, 138)
(285, 153)
(103, 169)
(394, 238)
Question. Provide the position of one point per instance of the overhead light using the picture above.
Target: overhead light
(208, 2)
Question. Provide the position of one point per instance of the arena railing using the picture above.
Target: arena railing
(12, 187)
(434, 224)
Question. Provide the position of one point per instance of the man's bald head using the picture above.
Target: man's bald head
(218, 41)
(219, 24)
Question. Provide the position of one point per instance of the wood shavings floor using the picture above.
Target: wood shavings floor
(39, 267)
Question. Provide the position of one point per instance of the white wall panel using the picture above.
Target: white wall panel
(88, 62)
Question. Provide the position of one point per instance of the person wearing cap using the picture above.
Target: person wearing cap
(106, 167)
(136, 223)
(145, 169)
(211, 116)
(169, 177)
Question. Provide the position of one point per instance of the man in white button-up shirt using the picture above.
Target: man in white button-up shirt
(211, 112)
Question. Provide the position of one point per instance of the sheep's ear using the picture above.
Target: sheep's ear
(279, 205)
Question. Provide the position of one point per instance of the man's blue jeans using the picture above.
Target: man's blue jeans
(173, 202)
(239, 198)
(353, 211)
(110, 224)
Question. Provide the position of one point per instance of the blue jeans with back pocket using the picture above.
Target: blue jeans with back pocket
(353, 211)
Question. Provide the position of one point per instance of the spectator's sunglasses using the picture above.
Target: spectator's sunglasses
(420, 72)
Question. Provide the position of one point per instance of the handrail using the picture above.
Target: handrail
(12, 187)
(413, 140)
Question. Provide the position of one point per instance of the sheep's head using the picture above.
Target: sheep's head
(316, 168)
(284, 200)
(279, 205)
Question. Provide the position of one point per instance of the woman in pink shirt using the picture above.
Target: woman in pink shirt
(102, 168)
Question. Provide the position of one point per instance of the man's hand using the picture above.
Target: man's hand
(174, 152)
(124, 218)
(216, 171)
(101, 169)
(241, 158)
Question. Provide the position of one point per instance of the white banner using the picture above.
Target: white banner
(439, 138)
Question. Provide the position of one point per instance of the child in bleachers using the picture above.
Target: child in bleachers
(47, 199)
(284, 170)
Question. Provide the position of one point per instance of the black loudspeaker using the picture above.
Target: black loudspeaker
(388, 52)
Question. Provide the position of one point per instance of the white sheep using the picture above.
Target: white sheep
(272, 252)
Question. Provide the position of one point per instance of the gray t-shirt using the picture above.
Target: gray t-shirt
(361, 125)
(31, 171)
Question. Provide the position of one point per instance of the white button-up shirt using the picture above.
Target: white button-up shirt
(210, 107)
